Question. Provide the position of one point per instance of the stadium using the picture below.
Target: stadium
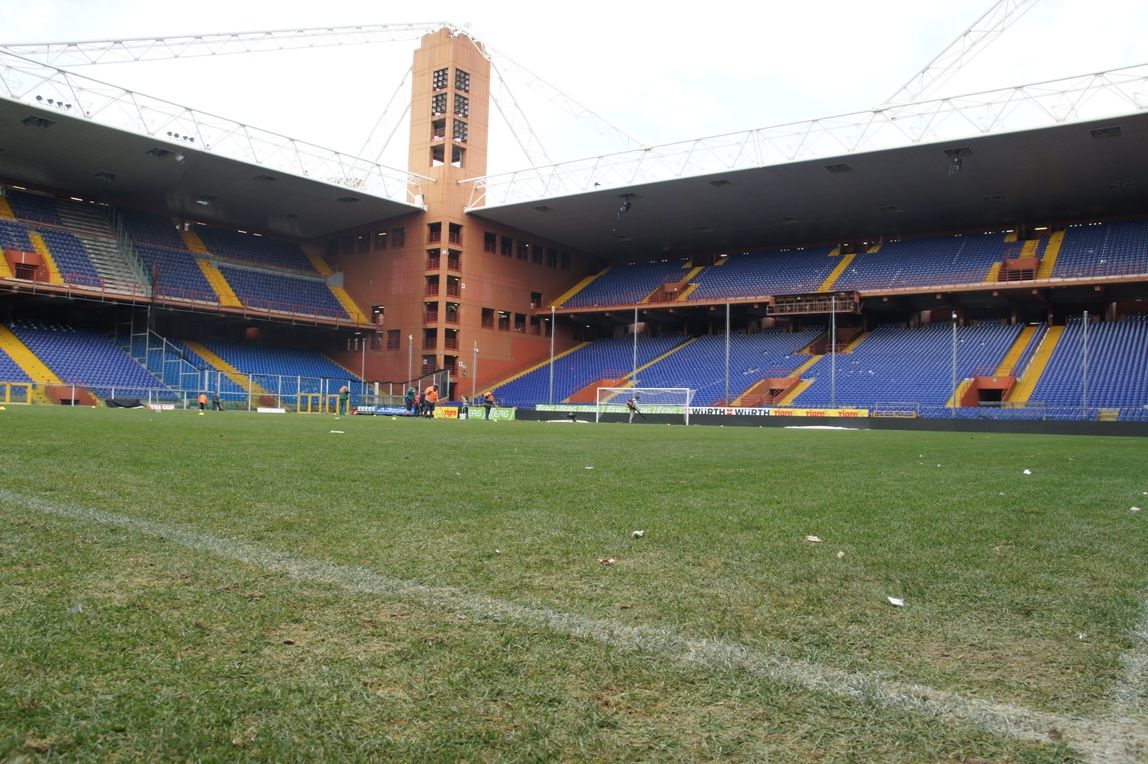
(953, 284)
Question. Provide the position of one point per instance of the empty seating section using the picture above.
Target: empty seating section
(176, 275)
(88, 359)
(273, 291)
(585, 365)
(33, 207)
(1117, 374)
(153, 231)
(754, 274)
(169, 263)
(10, 371)
(281, 371)
(924, 262)
(894, 364)
(1099, 250)
(254, 249)
(72, 258)
(700, 365)
(14, 236)
(627, 284)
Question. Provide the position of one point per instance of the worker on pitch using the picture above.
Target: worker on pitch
(343, 406)
(632, 407)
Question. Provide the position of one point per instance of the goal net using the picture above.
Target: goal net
(647, 400)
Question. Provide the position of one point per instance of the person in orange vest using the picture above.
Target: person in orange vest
(202, 402)
(431, 398)
(487, 403)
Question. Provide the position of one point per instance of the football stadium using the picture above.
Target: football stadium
(822, 441)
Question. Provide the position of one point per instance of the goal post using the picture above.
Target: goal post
(647, 400)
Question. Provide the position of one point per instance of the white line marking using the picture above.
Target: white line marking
(1109, 740)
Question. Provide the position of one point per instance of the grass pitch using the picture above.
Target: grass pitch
(238, 586)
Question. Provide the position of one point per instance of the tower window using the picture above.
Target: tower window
(438, 129)
(440, 79)
(462, 80)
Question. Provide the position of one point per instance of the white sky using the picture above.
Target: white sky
(660, 74)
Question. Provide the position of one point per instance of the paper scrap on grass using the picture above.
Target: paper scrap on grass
(1028, 472)
(1136, 509)
(841, 554)
(896, 601)
(606, 561)
(813, 539)
(336, 432)
(637, 534)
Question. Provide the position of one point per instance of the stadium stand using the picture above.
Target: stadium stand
(14, 236)
(898, 364)
(627, 284)
(281, 372)
(72, 258)
(755, 274)
(89, 359)
(290, 294)
(1117, 373)
(601, 358)
(33, 207)
(250, 248)
(924, 262)
(700, 364)
(1102, 250)
(10, 371)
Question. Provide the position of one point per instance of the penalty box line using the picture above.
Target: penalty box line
(1098, 740)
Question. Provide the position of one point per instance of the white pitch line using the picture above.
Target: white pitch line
(1099, 740)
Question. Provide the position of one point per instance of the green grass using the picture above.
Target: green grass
(122, 643)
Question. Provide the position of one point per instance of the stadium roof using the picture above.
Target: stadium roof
(47, 148)
(1072, 172)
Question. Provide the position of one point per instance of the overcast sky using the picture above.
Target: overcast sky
(661, 75)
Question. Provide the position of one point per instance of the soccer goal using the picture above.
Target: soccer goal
(647, 400)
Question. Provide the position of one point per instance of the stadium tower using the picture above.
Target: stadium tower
(451, 283)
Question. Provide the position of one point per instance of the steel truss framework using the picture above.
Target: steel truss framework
(185, 130)
(1045, 104)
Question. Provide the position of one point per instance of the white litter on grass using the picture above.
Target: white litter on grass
(589, 466)
(606, 561)
(337, 432)
(1135, 509)
(841, 554)
(637, 534)
(1028, 472)
(813, 539)
(896, 601)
